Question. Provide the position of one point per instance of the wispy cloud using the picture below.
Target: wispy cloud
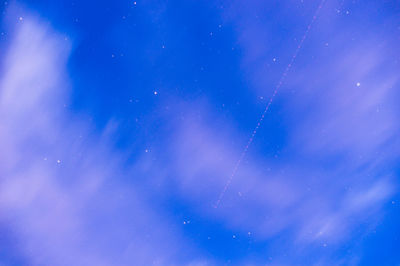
(335, 173)
(69, 199)
(61, 191)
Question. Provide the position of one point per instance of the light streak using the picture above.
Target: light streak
(260, 120)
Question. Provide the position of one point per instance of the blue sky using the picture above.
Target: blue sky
(121, 123)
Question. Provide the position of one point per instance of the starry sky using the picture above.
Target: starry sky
(187, 132)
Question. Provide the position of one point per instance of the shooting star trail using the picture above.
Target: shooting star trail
(277, 87)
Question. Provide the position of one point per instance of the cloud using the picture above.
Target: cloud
(267, 197)
(336, 171)
(68, 198)
(62, 191)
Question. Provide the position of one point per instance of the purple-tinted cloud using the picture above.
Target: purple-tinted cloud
(64, 196)
(60, 191)
(340, 170)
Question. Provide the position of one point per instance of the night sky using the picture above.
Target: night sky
(189, 132)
